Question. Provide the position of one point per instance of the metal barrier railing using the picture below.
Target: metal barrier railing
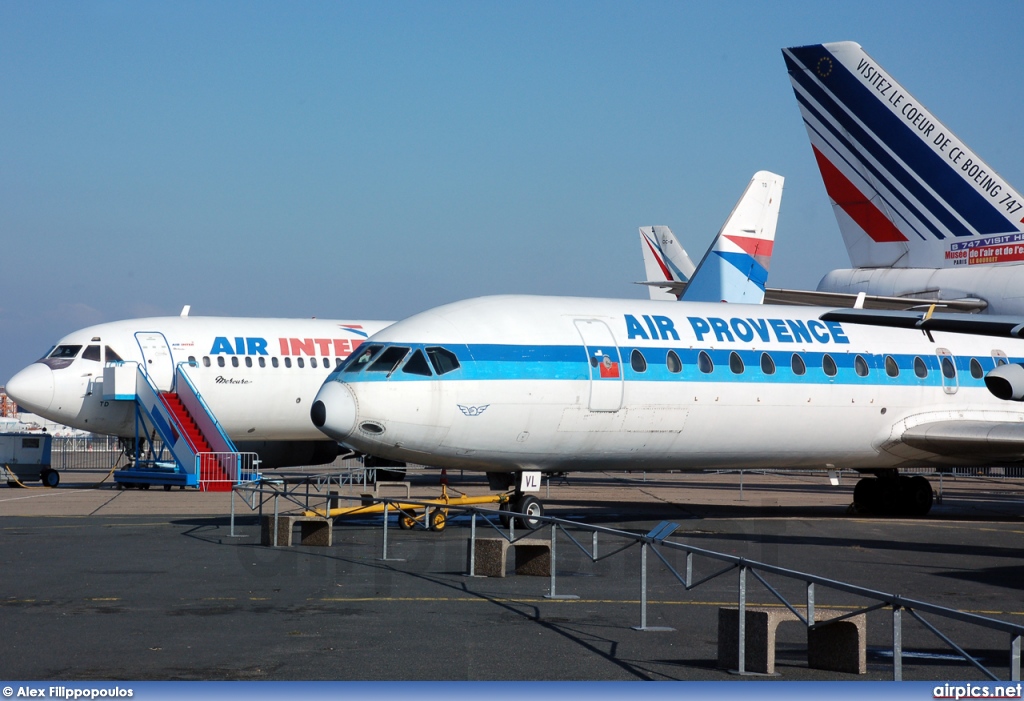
(224, 467)
(658, 538)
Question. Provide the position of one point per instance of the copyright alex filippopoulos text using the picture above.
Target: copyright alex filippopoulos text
(69, 693)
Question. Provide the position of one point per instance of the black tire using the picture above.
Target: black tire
(865, 495)
(406, 521)
(438, 520)
(532, 507)
(50, 478)
(167, 487)
(917, 496)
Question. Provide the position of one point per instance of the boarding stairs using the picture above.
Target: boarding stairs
(194, 452)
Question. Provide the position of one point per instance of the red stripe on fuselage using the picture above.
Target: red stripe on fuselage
(845, 194)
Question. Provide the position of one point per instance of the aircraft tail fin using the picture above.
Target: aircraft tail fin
(906, 191)
(665, 261)
(735, 268)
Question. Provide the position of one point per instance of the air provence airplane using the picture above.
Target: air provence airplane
(512, 385)
(920, 213)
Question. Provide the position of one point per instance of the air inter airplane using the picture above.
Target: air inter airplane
(922, 216)
(257, 376)
(516, 384)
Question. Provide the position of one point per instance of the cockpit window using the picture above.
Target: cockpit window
(388, 360)
(64, 352)
(442, 359)
(365, 356)
(111, 355)
(417, 364)
(91, 353)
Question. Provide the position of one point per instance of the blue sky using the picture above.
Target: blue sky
(371, 160)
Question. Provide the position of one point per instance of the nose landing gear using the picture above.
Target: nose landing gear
(890, 494)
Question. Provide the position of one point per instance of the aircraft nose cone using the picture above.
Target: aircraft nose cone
(334, 410)
(32, 388)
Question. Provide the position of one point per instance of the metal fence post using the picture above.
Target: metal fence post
(275, 518)
(1015, 658)
(594, 556)
(810, 604)
(385, 556)
(554, 527)
(742, 657)
(897, 643)
(643, 586)
(472, 545)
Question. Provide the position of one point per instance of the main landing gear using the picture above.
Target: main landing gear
(890, 494)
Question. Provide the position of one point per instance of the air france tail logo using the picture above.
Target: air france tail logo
(739, 329)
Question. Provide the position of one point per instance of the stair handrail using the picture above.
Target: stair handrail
(181, 373)
(166, 431)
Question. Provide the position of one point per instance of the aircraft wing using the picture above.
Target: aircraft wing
(979, 324)
(814, 298)
(969, 440)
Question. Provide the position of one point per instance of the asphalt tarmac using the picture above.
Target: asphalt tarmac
(103, 584)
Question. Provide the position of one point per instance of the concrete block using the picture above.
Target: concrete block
(316, 531)
(491, 557)
(839, 646)
(285, 524)
(759, 650)
(533, 557)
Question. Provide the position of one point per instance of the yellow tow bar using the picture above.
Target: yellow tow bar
(436, 510)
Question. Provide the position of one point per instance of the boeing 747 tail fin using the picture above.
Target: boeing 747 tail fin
(906, 191)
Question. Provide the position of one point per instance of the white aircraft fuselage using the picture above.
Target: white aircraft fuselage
(258, 376)
(558, 383)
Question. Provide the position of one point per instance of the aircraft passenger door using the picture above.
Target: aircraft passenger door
(605, 365)
(156, 359)
(947, 366)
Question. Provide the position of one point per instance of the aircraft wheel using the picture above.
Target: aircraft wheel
(50, 478)
(438, 520)
(917, 496)
(406, 521)
(532, 507)
(865, 495)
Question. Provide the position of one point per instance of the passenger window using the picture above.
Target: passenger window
(312, 362)
(300, 362)
(91, 353)
(736, 363)
(892, 368)
(338, 362)
(364, 357)
(287, 362)
(797, 364)
(860, 366)
(234, 361)
(976, 370)
(192, 361)
(64, 352)
(767, 364)
(920, 369)
(948, 368)
(417, 364)
(111, 355)
(388, 360)
(637, 361)
(273, 361)
(829, 365)
(248, 362)
(327, 362)
(206, 361)
(220, 361)
(443, 360)
(704, 363)
(672, 362)
(263, 362)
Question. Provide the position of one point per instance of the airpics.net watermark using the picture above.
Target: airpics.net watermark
(68, 693)
(977, 691)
